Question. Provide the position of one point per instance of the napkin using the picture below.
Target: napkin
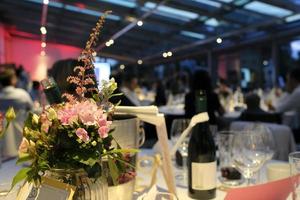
(276, 190)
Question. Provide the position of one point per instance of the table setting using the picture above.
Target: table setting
(81, 146)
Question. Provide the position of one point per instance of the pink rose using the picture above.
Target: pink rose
(82, 134)
(103, 131)
(67, 116)
(104, 122)
(88, 112)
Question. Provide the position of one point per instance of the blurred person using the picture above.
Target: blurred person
(62, 69)
(255, 113)
(124, 101)
(12, 96)
(202, 81)
(160, 97)
(129, 85)
(23, 78)
(252, 101)
(35, 92)
(223, 90)
(291, 101)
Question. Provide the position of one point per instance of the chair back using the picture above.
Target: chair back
(283, 137)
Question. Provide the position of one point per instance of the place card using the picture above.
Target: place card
(50, 189)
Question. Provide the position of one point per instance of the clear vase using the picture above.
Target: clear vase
(86, 188)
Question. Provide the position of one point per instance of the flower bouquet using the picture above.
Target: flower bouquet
(73, 138)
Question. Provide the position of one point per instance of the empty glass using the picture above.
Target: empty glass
(250, 150)
(178, 126)
(229, 174)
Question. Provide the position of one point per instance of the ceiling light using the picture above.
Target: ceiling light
(267, 9)
(140, 23)
(43, 30)
(165, 54)
(122, 67)
(170, 53)
(210, 3)
(107, 44)
(43, 44)
(265, 62)
(212, 22)
(46, 2)
(43, 53)
(111, 41)
(170, 12)
(293, 18)
(193, 34)
(219, 40)
(140, 61)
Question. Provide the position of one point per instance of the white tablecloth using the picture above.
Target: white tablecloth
(9, 169)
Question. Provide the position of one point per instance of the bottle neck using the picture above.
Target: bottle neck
(200, 102)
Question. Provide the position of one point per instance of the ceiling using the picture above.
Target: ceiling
(181, 26)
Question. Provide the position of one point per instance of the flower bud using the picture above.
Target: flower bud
(10, 114)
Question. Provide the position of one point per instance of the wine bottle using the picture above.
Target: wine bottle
(202, 165)
(52, 91)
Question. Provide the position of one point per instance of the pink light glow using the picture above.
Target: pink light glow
(26, 52)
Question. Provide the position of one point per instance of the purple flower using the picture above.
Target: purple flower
(82, 134)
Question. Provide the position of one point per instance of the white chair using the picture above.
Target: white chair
(283, 136)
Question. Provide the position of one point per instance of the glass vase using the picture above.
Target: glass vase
(86, 188)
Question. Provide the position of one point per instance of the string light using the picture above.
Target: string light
(43, 53)
(122, 67)
(140, 61)
(46, 2)
(165, 54)
(43, 44)
(43, 30)
(109, 43)
(140, 23)
(219, 40)
(169, 53)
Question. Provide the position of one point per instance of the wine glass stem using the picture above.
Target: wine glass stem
(184, 168)
(248, 181)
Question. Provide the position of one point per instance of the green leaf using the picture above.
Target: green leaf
(123, 151)
(21, 175)
(91, 162)
(115, 95)
(23, 157)
(114, 172)
(125, 163)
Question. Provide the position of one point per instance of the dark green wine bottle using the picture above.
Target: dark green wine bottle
(202, 166)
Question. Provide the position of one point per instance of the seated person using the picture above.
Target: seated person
(291, 102)
(255, 113)
(18, 98)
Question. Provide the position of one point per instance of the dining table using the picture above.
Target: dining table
(9, 168)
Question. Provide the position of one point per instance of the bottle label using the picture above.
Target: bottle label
(204, 175)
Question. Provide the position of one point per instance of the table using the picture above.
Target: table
(9, 169)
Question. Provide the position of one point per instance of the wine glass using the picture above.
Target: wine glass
(178, 126)
(250, 150)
